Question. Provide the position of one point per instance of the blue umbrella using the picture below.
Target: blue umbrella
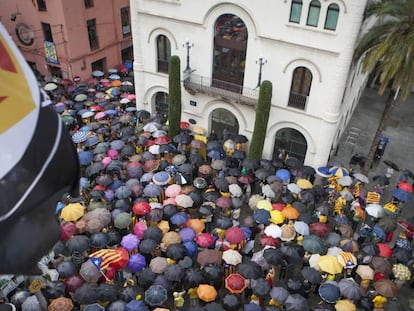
(117, 144)
(111, 112)
(123, 192)
(91, 141)
(79, 137)
(85, 128)
(161, 178)
(179, 218)
(136, 305)
(323, 171)
(190, 248)
(329, 292)
(283, 175)
(136, 263)
(85, 157)
(252, 307)
(379, 232)
(114, 77)
(152, 190)
(261, 216)
(156, 295)
(187, 234)
(97, 73)
(401, 195)
(215, 154)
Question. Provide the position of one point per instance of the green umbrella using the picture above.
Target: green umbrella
(122, 220)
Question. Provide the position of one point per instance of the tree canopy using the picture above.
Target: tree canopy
(388, 46)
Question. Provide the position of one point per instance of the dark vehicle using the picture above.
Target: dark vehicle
(381, 147)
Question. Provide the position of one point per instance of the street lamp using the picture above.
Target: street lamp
(261, 61)
(188, 45)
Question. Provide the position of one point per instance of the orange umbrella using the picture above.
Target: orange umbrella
(196, 224)
(61, 304)
(290, 212)
(235, 283)
(206, 292)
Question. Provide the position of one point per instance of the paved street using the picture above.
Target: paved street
(400, 150)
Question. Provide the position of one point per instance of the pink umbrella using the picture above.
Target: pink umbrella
(100, 115)
(169, 201)
(139, 229)
(204, 239)
(173, 190)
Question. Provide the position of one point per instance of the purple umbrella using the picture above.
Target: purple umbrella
(179, 218)
(136, 263)
(130, 242)
(186, 234)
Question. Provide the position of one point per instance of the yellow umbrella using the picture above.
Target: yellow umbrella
(264, 204)
(72, 212)
(206, 292)
(199, 130)
(304, 183)
(277, 217)
(329, 264)
(164, 226)
(345, 305)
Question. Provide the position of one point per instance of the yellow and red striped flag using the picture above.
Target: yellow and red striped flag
(108, 256)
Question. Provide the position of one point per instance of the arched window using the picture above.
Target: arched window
(230, 45)
(295, 11)
(332, 16)
(163, 53)
(161, 105)
(300, 88)
(313, 14)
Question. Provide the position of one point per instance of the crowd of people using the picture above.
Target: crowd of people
(191, 223)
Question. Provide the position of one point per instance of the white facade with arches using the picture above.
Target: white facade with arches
(314, 39)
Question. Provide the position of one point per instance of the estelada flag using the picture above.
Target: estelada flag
(38, 164)
(106, 257)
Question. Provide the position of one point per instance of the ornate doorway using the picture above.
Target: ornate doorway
(292, 141)
(222, 118)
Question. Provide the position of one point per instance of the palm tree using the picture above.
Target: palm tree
(387, 48)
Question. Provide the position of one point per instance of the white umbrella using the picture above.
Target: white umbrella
(345, 181)
(232, 257)
(184, 200)
(334, 251)
(294, 188)
(375, 210)
(268, 191)
(154, 149)
(313, 261)
(273, 230)
(361, 177)
(50, 87)
(301, 227)
(235, 190)
(151, 127)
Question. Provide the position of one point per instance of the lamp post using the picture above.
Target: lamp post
(261, 61)
(188, 45)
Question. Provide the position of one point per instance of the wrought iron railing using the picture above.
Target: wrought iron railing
(297, 100)
(222, 89)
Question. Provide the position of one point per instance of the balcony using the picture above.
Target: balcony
(297, 100)
(221, 89)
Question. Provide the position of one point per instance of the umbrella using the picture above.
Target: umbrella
(72, 212)
(329, 264)
(384, 250)
(319, 228)
(401, 272)
(66, 269)
(90, 272)
(361, 177)
(345, 305)
(184, 200)
(155, 295)
(290, 212)
(94, 307)
(347, 260)
(230, 302)
(206, 293)
(365, 272)
(262, 216)
(279, 294)
(136, 263)
(234, 235)
(260, 287)
(273, 231)
(208, 256)
(204, 239)
(174, 273)
(152, 190)
(386, 288)
(296, 302)
(273, 256)
(381, 264)
(402, 195)
(135, 305)
(375, 210)
(122, 220)
(350, 289)
(235, 283)
(158, 265)
(193, 277)
(339, 171)
(250, 270)
(329, 291)
(78, 243)
(176, 251)
(179, 218)
(391, 165)
(314, 244)
(301, 227)
(232, 257)
(61, 304)
(312, 275)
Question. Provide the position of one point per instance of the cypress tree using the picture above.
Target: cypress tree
(174, 96)
(261, 120)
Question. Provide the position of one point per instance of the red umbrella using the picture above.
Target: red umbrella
(319, 228)
(184, 125)
(384, 250)
(235, 283)
(67, 230)
(123, 260)
(266, 240)
(404, 185)
(278, 206)
(141, 208)
(204, 239)
(162, 140)
(234, 235)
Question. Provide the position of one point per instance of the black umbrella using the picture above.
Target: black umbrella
(223, 222)
(213, 273)
(153, 233)
(239, 154)
(162, 280)
(293, 162)
(391, 165)
(193, 277)
(250, 270)
(114, 238)
(196, 159)
(155, 295)
(182, 138)
(231, 302)
(205, 210)
(312, 275)
(232, 171)
(51, 290)
(292, 253)
(174, 273)
(262, 173)
(273, 256)
(146, 278)
(222, 184)
(260, 287)
(176, 251)
(66, 269)
(402, 255)
(147, 246)
(197, 197)
(213, 145)
(86, 294)
(108, 292)
(79, 243)
(381, 180)
(211, 196)
(94, 169)
(250, 164)
(186, 262)
(118, 305)
(168, 211)
(98, 240)
(185, 168)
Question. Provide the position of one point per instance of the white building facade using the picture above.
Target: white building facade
(304, 47)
